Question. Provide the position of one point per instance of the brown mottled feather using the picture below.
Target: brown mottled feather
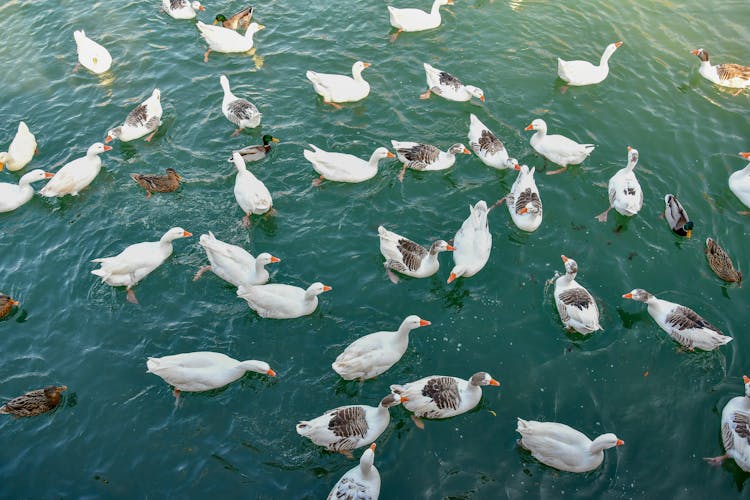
(348, 422)
(443, 391)
(684, 318)
(6, 304)
(576, 297)
(411, 253)
(721, 263)
(731, 71)
(158, 183)
(34, 403)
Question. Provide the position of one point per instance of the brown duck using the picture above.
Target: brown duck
(6, 304)
(35, 402)
(720, 262)
(158, 183)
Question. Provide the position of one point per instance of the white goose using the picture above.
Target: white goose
(683, 324)
(282, 301)
(77, 174)
(341, 88)
(524, 203)
(418, 156)
(371, 355)
(406, 257)
(487, 146)
(145, 118)
(360, 483)
(448, 86)
(239, 111)
(730, 75)
(227, 40)
(472, 243)
(562, 447)
(91, 55)
(13, 196)
(625, 193)
(735, 430)
(341, 167)
(739, 183)
(181, 9)
(251, 194)
(415, 19)
(579, 73)
(21, 150)
(576, 306)
(557, 148)
(234, 264)
(137, 261)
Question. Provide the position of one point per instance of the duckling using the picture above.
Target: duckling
(677, 217)
(158, 183)
(258, 152)
(236, 20)
(720, 262)
(6, 304)
(35, 402)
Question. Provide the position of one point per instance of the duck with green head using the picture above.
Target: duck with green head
(257, 152)
(236, 20)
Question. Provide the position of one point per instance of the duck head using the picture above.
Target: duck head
(475, 91)
(638, 294)
(605, 441)
(632, 157)
(412, 322)
(441, 246)
(702, 54)
(53, 393)
(257, 367)
(97, 148)
(571, 266)
(367, 460)
(266, 258)
(197, 6)
(175, 233)
(393, 399)
(317, 288)
(537, 124)
(483, 378)
(458, 149)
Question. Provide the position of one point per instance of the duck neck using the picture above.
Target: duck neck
(357, 73)
(247, 366)
(260, 268)
(598, 445)
(568, 278)
(435, 11)
(374, 159)
(604, 61)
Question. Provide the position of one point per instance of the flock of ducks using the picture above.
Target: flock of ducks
(346, 428)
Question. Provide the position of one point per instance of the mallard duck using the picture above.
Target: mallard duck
(360, 483)
(720, 262)
(406, 257)
(145, 118)
(442, 397)
(6, 305)
(557, 148)
(35, 402)
(739, 183)
(487, 146)
(683, 324)
(625, 193)
(341, 88)
(730, 75)
(282, 301)
(735, 428)
(677, 217)
(472, 243)
(415, 19)
(91, 55)
(237, 20)
(227, 40)
(418, 156)
(234, 264)
(579, 73)
(251, 194)
(21, 150)
(13, 196)
(576, 306)
(562, 447)
(181, 9)
(371, 355)
(255, 153)
(342, 167)
(239, 111)
(448, 86)
(158, 183)
(524, 203)
(76, 175)
(137, 261)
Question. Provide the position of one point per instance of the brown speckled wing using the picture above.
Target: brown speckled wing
(449, 80)
(732, 71)
(528, 196)
(576, 297)
(684, 318)
(349, 422)
(138, 117)
(489, 143)
(30, 404)
(411, 253)
(443, 391)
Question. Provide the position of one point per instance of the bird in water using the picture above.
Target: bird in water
(240, 19)
(35, 402)
(677, 217)
(257, 152)
(6, 305)
(721, 263)
(153, 183)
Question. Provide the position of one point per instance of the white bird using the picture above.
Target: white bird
(579, 73)
(487, 146)
(239, 111)
(406, 257)
(282, 301)
(562, 447)
(415, 19)
(251, 194)
(524, 203)
(91, 55)
(341, 167)
(448, 86)
(735, 430)
(341, 88)
(21, 150)
(137, 261)
(625, 193)
(227, 40)
(472, 243)
(684, 325)
(75, 175)
(181, 9)
(576, 306)
(13, 196)
(371, 355)
(234, 264)
(739, 183)
(360, 483)
(730, 75)
(145, 118)
(419, 156)
(557, 148)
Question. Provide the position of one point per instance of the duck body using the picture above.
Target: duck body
(448, 86)
(735, 419)
(341, 88)
(487, 146)
(739, 182)
(91, 55)
(416, 19)
(234, 264)
(226, 40)
(418, 156)
(76, 175)
(730, 75)
(473, 243)
(6, 305)
(625, 193)
(721, 263)
(280, 301)
(144, 119)
(240, 19)
(579, 73)
(360, 483)
(35, 402)
(239, 111)
(21, 150)
(13, 196)
(258, 152)
(181, 9)
(577, 308)
(677, 217)
(524, 203)
(410, 258)
(557, 148)
(341, 167)
(251, 194)
(158, 183)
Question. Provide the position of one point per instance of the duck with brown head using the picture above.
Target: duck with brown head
(35, 402)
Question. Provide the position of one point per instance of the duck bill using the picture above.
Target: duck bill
(274, 139)
(745, 155)
(523, 211)
(271, 373)
(107, 148)
(327, 288)
(275, 259)
(564, 258)
(390, 155)
(108, 139)
(627, 296)
(48, 175)
(689, 233)
(529, 127)
(424, 322)
(452, 277)
(494, 382)
(620, 442)
(450, 248)
(186, 234)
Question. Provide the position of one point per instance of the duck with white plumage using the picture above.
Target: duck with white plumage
(448, 87)
(77, 174)
(524, 203)
(360, 483)
(421, 156)
(557, 148)
(415, 19)
(335, 89)
(576, 306)
(233, 263)
(578, 73)
(625, 193)
(237, 110)
(251, 194)
(473, 243)
(342, 167)
(409, 258)
(13, 196)
(221, 39)
(739, 183)
(281, 301)
(144, 119)
(735, 430)
(487, 146)
(22, 149)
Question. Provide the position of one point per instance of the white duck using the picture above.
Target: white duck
(203, 370)
(145, 118)
(13, 196)
(234, 264)
(341, 167)
(625, 193)
(181, 9)
(406, 257)
(448, 86)
(251, 194)
(442, 397)
(557, 148)
(348, 427)
(487, 146)
(239, 111)
(683, 324)
(419, 156)
(91, 55)
(579, 73)
(371, 355)
(415, 19)
(735, 430)
(227, 40)
(739, 183)
(136, 262)
(472, 243)
(282, 301)
(562, 447)
(524, 203)
(730, 75)
(75, 175)
(576, 306)
(21, 150)
(341, 88)
(360, 483)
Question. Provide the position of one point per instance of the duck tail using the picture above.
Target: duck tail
(523, 425)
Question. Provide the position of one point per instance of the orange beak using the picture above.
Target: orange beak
(107, 148)
(452, 277)
(494, 382)
(108, 139)
(201, 8)
(275, 259)
(466, 151)
(373, 446)
(620, 442)
(424, 322)
(186, 234)
(14, 302)
(271, 373)
(629, 148)
(618, 44)
(366, 65)
(327, 288)
(529, 127)
(694, 52)
(450, 248)
(516, 167)
(390, 155)
(564, 258)
(48, 175)
(745, 378)
(481, 98)
(523, 211)
(627, 296)
(404, 398)
(745, 155)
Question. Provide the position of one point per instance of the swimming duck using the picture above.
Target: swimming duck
(145, 118)
(557, 148)
(739, 183)
(158, 183)
(13, 196)
(239, 111)
(721, 263)
(35, 402)
(227, 40)
(251, 194)
(21, 150)
(487, 146)
(727, 75)
(255, 153)
(233, 263)
(442, 397)
(472, 243)
(360, 483)
(6, 305)
(448, 86)
(415, 19)
(576, 306)
(677, 217)
(237, 20)
(371, 355)
(91, 55)
(341, 167)
(578, 73)
(683, 324)
(625, 193)
(76, 175)
(341, 88)
(735, 427)
(137, 261)
(282, 301)
(562, 447)
(181, 9)
(409, 258)
(418, 156)
(524, 203)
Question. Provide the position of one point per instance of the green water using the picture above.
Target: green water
(118, 433)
